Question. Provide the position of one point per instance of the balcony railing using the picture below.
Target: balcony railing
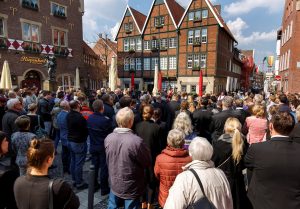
(3, 43)
(30, 5)
(60, 14)
(31, 47)
(60, 51)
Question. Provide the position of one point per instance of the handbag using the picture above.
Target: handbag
(204, 202)
(39, 131)
(50, 194)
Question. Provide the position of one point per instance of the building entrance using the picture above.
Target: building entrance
(32, 79)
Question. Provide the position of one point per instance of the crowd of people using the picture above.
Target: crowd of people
(171, 150)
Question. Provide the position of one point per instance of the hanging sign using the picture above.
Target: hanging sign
(34, 60)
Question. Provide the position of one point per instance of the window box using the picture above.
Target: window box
(31, 47)
(154, 49)
(60, 51)
(163, 48)
(196, 68)
(30, 5)
(159, 26)
(3, 43)
(197, 19)
(59, 14)
(196, 43)
(131, 51)
(128, 31)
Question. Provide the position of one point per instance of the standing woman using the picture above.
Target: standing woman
(150, 133)
(32, 190)
(229, 152)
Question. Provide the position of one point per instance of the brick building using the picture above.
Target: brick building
(30, 30)
(181, 42)
(106, 49)
(289, 61)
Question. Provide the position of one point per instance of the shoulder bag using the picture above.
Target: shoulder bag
(204, 202)
(39, 131)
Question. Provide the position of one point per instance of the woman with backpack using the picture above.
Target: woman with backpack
(36, 189)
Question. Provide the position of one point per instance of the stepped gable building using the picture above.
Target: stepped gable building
(289, 60)
(181, 42)
(30, 30)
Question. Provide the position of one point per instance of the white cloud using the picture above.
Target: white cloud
(238, 26)
(245, 6)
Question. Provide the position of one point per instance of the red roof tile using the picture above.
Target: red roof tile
(176, 10)
(139, 18)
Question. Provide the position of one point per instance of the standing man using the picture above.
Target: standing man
(44, 110)
(127, 157)
(275, 181)
(99, 127)
(77, 136)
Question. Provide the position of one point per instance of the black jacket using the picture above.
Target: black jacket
(109, 111)
(275, 181)
(44, 109)
(234, 172)
(201, 121)
(8, 123)
(77, 127)
(295, 135)
(172, 107)
(218, 122)
(243, 114)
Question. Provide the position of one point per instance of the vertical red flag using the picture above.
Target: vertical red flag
(132, 81)
(159, 81)
(201, 84)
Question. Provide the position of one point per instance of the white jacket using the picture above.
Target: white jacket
(186, 189)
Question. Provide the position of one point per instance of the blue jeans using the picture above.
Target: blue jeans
(78, 155)
(47, 125)
(99, 161)
(115, 202)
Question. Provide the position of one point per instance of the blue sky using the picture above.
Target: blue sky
(253, 22)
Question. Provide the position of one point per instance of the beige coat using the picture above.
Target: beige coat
(186, 189)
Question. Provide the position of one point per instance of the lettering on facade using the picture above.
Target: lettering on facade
(34, 60)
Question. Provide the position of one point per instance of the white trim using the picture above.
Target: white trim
(127, 7)
(151, 8)
(209, 6)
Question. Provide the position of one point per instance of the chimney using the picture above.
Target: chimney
(218, 7)
(100, 35)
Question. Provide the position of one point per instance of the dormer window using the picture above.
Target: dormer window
(58, 10)
(159, 22)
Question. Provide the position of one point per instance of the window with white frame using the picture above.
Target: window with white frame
(163, 43)
(204, 35)
(172, 63)
(138, 44)
(164, 63)
(154, 62)
(190, 61)
(204, 13)
(172, 43)
(147, 63)
(59, 37)
(126, 27)
(2, 27)
(31, 32)
(126, 45)
(197, 36)
(191, 37)
(154, 44)
(58, 10)
(146, 45)
(138, 63)
(196, 60)
(191, 16)
(159, 21)
(130, 26)
(197, 15)
(203, 60)
(132, 44)
(132, 64)
(126, 64)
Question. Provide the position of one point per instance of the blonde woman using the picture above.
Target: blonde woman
(183, 123)
(256, 126)
(229, 151)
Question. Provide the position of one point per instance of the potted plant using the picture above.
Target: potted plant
(197, 43)
(196, 68)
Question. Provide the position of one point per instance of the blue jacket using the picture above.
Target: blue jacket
(62, 126)
(99, 127)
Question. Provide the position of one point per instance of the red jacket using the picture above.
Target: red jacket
(86, 112)
(167, 166)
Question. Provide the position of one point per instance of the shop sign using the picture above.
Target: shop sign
(34, 60)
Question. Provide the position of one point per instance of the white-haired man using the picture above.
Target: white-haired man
(127, 157)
